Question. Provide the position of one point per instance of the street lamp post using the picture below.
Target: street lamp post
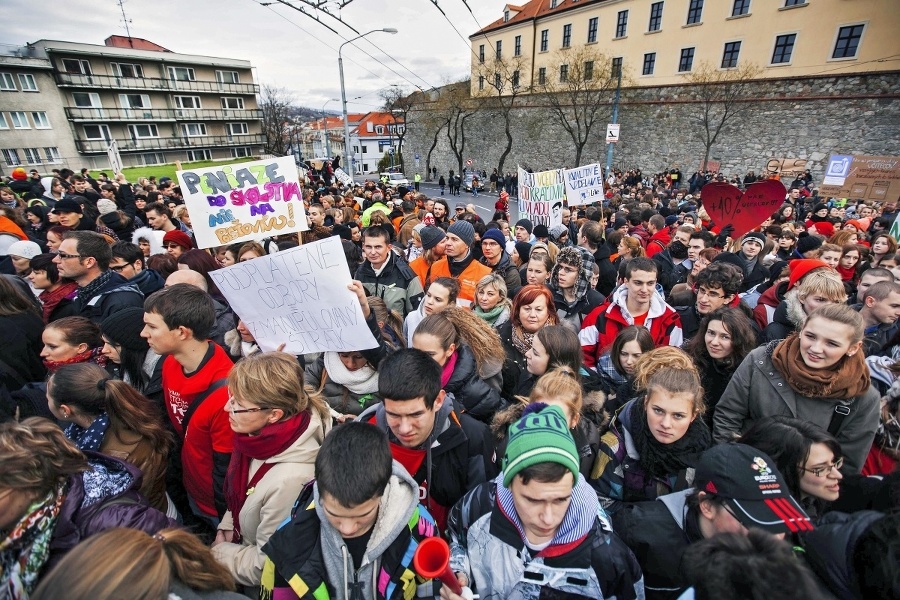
(348, 165)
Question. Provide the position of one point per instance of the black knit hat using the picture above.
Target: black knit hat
(123, 328)
(807, 243)
(431, 237)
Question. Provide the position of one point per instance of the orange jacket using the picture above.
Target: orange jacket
(468, 279)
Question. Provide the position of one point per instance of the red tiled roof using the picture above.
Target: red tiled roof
(532, 10)
(120, 41)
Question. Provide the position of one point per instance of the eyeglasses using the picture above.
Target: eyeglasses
(709, 294)
(235, 411)
(64, 256)
(119, 268)
(818, 471)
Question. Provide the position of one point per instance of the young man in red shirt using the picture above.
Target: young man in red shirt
(177, 323)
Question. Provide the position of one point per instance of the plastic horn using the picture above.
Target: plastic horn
(432, 561)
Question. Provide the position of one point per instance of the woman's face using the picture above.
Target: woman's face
(487, 297)
(33, 218)
(140, 202)
(227, 259)
(53, 218)
(437, 298)
(880, 246)
(850, 260)
(622, 249)
(824, 342)
(250, 422)
(788, 212)
(56, 348)
(629, 355)
(248, 255)
(669, 415)
(352, 361)
(144, 245)
(7, 197)
(20, 263)
(534, 316)
(536, 273)
(536, 358)
(112, 351)
(39, 280)
(431, 345)
(505, 229)
(785, 242)
(338, 217)
(245, 334)
(186, 218)
(699, 264)
(827, 485)
(53, 242)
(813, 301)
(718, 340)
(832, 258)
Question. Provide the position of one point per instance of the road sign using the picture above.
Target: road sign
(417, 157)
(612, 133)
(468, 162)
(391, 151)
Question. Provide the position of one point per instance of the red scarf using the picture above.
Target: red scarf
(271, 441)
(50, 300)
(847, 274)
(90, 355)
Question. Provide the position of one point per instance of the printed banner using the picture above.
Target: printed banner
(584, 185)
(343, 177)
(541, 196)
(244, 202)
(868, 178)
(298, 297)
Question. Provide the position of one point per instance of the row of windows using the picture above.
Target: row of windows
(151, 130)
(75, 66)
(19, 120)
(33, 156)
(91, 100)
(26, 82)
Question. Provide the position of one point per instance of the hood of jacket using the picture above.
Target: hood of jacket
(445, 436)
(830, 547)
(148, 281)
(620, 296)
(151, 235)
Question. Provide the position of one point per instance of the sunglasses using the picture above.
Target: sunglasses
(173, 245)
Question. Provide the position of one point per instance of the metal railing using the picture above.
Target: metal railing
(152, 83)
(170, 143)
(75, 113)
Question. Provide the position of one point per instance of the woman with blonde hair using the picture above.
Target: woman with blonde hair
(823, 286)
(279, 424)
(128, 563)
(630, 247)
(492, 304)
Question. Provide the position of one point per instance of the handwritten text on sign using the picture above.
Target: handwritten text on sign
(298, 297)
(243, 202)
(726, 204)
(584, 185)
(541, 196)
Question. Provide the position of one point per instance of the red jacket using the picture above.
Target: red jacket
(659, 241)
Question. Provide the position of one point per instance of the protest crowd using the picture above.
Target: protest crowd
(634, 402)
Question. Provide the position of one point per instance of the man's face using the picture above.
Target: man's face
(316, 217)
(885, 311)
(454, 246)
(566, 216)
(410, 421)
(641, 286)
(542, 506)
(751, 249)
(683, 237)
(429, 206)
(795, 194)
(710, 299)
(694, 248)
(375, 250)
(168, 192)
(108, 194)
(125, 269)
(156, 220)
(439, 211)
(865, 282)
(491, 250)
(80, 186)
(351, 522)
(161, 339)
(889, 207)
(567, 276)
(522, 234)
(73, 267)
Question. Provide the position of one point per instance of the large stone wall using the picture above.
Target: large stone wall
(807, 118)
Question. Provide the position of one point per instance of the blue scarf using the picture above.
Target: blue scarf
(90, 438)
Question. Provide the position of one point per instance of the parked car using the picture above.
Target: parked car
(467, 181)
(395, 179)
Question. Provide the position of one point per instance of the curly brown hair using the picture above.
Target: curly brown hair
(35, 456)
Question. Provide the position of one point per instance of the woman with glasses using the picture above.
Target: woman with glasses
(279, 424)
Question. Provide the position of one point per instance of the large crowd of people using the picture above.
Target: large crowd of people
(636, 403)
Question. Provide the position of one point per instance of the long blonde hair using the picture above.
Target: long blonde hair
(454, 325)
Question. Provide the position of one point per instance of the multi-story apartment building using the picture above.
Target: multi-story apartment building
(158, 106)
(661, 41)
(375, 134)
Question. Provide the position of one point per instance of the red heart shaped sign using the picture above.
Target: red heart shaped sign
(726, 204)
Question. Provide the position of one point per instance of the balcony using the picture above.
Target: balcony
(79, 114)
(77, 80)
(170, 143)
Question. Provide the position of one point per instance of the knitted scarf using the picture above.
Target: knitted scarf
(271, 441)
(522, 340)
(26, 547)
(848, 378)
(90, 438)
(362, 381)
(50, 300)
(87, 292)
(663, 460)
(749, 263)
(492, 315)
(90, 355)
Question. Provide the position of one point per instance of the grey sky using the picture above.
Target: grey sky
(282, 53)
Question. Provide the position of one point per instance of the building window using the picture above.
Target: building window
(27, 82)
(11, 156)
(97, 132)
(588, 70)
(151, 158)
(616, 66)
(593, 25)
(198, 155)
(128, 70)
(187, 102)
(7, 83)
(76, 67)
(144, 130)
(649, 63)
(238, 129)
(542, 76)
(228, 77)
(506, 16)
(563, 73)
(242, 152)
(86, 100)
(233, 103)
(498, 82)
(518, 46)
(498, 53)
(481, 53)
(622, 23)
(741, 7)
(567, 36)
(730, 55)
(40, 120)
(481, 83)
(794, 2)
(32, 156)
(655, 16)
(192, 129)
(3, 122)
(784, 48)
(182, 74)
(695, 12)
(847, 42)
(687, 60)
(134, 100)
(19, 120)
(545, 39)
(553, 3)
(365, 149)
(515, 80)
(53, 155)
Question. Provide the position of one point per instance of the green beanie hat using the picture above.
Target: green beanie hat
(541, 435)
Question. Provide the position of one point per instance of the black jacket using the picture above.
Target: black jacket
(398, 285)
(514, 366)
(118, 293)
(690, 320)
(508, 271)
(20, 353)
(148, 281)
(608, 274)
(574, 314)
(669, 273)
(472, 393)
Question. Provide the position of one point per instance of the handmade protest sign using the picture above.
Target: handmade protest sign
(867, 177)
(343, 177)
(541, 196)
(584, 185)
(298, 297)
(726, 204)
(243, 202)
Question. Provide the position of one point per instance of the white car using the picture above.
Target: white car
(395, 179)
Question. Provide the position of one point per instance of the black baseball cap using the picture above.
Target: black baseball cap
(752, 487)
(67, 205)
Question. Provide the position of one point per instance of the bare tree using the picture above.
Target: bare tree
(722, 95)
(578, 94)
(430, 117)
(276, 105)
(500, 79)
(459, 107)
(399, 104)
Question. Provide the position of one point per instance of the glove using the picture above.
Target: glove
(723, 236)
